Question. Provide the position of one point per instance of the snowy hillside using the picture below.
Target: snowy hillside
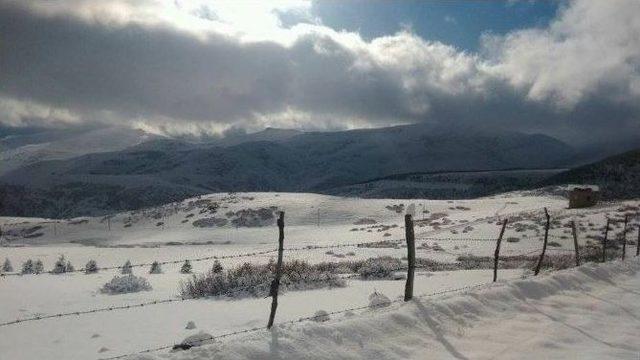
(341, 238)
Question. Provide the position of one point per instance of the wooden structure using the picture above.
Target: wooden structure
(581, 197)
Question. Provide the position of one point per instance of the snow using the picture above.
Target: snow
(111, 242)
(584, 313)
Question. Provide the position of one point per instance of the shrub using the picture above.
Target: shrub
(321, 316)
(254, 280)
(378, 300)
(186, 267)
(155, 268)
(217, 267)
(27, 267)
(62, 266)
(126, 268)
(38, 267)
(125, 284)
(7, 267)
(379, 268)
(513, 239)
(91, 267)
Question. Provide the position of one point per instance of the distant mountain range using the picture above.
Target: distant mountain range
(161, 170)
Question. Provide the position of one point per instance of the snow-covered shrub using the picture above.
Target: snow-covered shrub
(62, 266)
(379, 268)
(199, 339)
(321, 316)
(125, 284)
(378, 300)
(7, 267)
(38, 267)
(27, 267)
(254, 280)
(126, 268)
(155, 268)
(91, 267)
(190, 325)
(186, 267)
(217, 267)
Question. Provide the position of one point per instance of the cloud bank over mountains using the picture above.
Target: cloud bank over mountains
(201, 67)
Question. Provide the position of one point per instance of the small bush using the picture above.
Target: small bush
(91, 267)
(186, 267)
(378, 300)
(69, 267)
(126, 268)
(125, 284)
(513, 239)
(379, 268)
(321, 316)
(217, 267)
(62, 266)
(38, 267)
(7, 267)
(27, 267)
(155, 268)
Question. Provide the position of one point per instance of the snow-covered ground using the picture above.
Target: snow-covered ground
(236, 224)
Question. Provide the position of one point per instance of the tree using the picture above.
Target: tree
(91, 267)
(27, 267)
(126, 268)
(186, 267)
(69, 267)
(60, 266)
(38, 267)
(217, 267)
(155, 268)
(7, 267)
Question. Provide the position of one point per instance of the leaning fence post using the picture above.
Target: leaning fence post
(544, 244)
(496, 255)
(604, 242)
(411, 256)
(275, 284)
(575, 241)
(624, 237)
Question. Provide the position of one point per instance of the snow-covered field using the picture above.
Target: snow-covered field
(223, 225)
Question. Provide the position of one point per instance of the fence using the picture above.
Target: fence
(579, 253)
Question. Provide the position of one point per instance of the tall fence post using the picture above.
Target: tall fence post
(496, 255)
(544, 244)
(575, 241)
(275, 284)
(604, 241)
(411, 256)
(624, 237)
(638, 241)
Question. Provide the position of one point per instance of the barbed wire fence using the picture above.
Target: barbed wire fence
(412, 265)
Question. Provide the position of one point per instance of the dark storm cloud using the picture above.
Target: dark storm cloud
(542, 80)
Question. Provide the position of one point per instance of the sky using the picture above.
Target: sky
(569, 69)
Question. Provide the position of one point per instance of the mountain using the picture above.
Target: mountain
(618, 176)
(165, 170)
(20, 148)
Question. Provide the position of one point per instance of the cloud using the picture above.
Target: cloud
(200, 67)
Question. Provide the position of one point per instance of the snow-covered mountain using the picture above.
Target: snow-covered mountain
(165, 170)
(17, 150)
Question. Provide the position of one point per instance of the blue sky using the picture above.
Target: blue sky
(457, 23)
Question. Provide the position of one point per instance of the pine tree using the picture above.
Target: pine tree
(59, 267)
(7, 267)
(155, 268)
(27, 267)
(126, 268)
(186, 267)
(38, 267)
(217, 267)
(91, 267)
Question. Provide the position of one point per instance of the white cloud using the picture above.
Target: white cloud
(200, 66)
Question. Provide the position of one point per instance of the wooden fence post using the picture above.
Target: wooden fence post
(275, 284)
(575, 241)
(544, 244)
(496, 255)
(624, 237)
(638, 242)
(604, 242)
(411, 256)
